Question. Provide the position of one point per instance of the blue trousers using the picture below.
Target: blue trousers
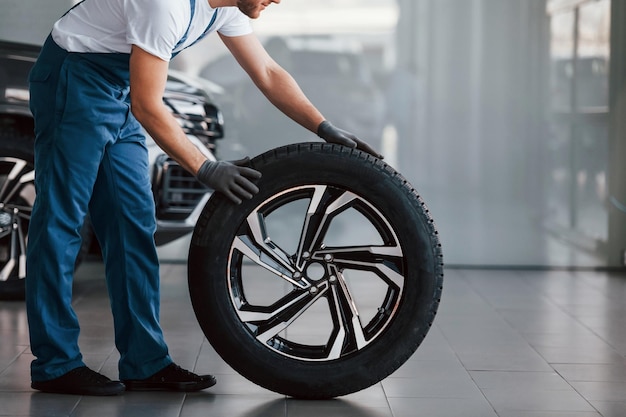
(90, 157)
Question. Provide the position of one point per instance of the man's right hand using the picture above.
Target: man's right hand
(233, 179)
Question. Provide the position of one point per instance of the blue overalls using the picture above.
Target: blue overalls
(91, 157)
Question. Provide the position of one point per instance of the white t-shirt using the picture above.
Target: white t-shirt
(156, 26)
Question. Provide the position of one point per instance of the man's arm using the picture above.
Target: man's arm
(148, 76)
(283, 92)
(274, 82)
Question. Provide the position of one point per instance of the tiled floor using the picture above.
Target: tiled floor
(505, 343)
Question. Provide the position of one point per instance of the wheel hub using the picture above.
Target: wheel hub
(5, 220)
(315, 271)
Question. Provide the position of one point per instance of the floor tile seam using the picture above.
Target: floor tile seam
(181, 406)
(15, 358)
(382, 387)
(554, 371)
(75, 408)
(268, 395)
(198, 354)
(552, 301)
(588, 401)
(617, 380)
(550, 364)
(585, 400)
(484, 396)
(494, 308)
(111, 353)
(445, 337)
(437, 397)
(583, 325)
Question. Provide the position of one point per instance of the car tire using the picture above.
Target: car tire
(17, 195)
(362, 307)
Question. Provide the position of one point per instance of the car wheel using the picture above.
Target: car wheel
(326, 281)
(17, 195)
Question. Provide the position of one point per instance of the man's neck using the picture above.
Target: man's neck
(221, 3)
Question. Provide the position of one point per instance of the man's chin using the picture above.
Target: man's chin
(252, 15)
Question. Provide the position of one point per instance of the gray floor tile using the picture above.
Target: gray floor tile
(434, 379)
(504, 343)
(610, 409)
(133, 404)
(441, 407)
(374, 397)
(202, 405)
(235, 384)
(431, 386)
(335, 408)
(16, 376)
(602, 390)
(544, 381)
(17, 404)
(514, 399)
(592, 372)
(549, 414)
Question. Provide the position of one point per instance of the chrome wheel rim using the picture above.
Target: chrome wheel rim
(17, 195)
(304, 288)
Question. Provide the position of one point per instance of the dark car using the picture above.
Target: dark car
(178, 196)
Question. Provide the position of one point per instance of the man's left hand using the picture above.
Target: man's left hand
(332, 134)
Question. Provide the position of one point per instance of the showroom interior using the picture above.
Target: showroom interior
(507, 117)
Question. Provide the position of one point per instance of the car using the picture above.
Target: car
(178, 196)
(333, 73)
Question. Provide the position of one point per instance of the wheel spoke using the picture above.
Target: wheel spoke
(22, 250)
(270, 321)
(259, 257)
(258, 246)
(348, 334)
(23, 212)
(16, 179)
(385, 261)
(17, 251)
(325, 203)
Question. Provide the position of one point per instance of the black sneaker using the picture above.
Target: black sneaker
(80, 381)
(171, 378)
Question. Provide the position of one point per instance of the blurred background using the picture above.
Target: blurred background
(503, 114)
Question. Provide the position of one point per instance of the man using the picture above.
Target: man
(100, 76)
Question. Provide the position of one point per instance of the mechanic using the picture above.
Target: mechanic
(100, 76)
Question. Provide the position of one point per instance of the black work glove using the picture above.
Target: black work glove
(332, 134)
(230, 178)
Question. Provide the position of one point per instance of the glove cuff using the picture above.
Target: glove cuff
(205, 171)
(324, 129)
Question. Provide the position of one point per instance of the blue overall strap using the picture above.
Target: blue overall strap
(206, 31)
(184, 38)
(72, 8)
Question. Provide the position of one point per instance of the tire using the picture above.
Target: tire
(317, 306)
(17, 195)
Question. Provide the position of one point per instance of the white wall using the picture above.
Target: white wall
(29, 21)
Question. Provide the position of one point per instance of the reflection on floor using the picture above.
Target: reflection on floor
(505, 343)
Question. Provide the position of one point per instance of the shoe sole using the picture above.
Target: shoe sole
(168, 386)
(100, 392)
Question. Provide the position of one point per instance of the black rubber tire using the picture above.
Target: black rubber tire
(215, 268)
(17, 148)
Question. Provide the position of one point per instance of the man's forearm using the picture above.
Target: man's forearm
(282, 91)
(168, 134)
